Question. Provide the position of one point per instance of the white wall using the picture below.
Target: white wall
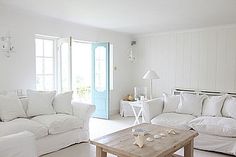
(199, 59)
(18, 71)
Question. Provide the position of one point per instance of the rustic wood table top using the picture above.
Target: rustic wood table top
(121, 143)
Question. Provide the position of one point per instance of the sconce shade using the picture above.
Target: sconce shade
(150, 74)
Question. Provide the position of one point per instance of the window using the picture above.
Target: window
(45, 61)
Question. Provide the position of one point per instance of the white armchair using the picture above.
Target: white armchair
(18, 145)
(152, 108)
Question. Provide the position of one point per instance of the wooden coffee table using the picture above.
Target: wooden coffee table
(121, 143)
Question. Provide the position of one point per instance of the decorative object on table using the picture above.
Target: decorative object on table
(157, 136)
(131, 53)
(150, 75)
(140, 93)
(6, 45)
(139, 139)
(129, 97)
(139, 131)
(150, 139)
(172, 131)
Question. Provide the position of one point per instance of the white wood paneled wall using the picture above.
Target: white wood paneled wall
(198, 59)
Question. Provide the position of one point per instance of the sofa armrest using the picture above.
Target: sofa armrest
(152, 108)
(21, 145)
(83, 111)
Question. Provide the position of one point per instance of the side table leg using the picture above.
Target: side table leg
(100, 152)
(188, 149)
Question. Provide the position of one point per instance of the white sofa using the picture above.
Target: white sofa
(52, 131)
(21, 145)
(216, 132)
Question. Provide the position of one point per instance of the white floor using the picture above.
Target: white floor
(101, 127)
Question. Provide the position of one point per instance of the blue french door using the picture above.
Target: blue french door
(101, 79)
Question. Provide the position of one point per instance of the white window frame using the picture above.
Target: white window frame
(54, 75)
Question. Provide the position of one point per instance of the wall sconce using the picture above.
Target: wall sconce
(131, 54)
(6, 46)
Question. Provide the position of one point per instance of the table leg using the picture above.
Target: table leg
(135, 115)
(188, 149)
(100, 152)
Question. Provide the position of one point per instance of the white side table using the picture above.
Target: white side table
(139, 105)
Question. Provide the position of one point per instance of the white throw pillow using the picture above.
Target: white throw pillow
(190, 104)
(212, 106)
(219, 126)
(171, 102)
(10, 108)
(62, 103)
(229, 108)
(40, 102)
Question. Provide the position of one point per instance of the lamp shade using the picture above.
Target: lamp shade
(150, 74)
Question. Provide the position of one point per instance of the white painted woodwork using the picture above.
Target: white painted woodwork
(199, 59)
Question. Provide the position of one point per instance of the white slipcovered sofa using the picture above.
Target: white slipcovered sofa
(18, 145)
(214, 117)
(56, 125)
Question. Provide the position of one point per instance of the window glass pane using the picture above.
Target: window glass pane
(39, 65)
(48, 82)
(39, 47)
(100, 69)
(39, 83)
(48, 48)
(48, 66)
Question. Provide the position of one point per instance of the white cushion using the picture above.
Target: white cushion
(175, 120)
(10, 108)
(171, 102)
(229, 108)
(22, 124)
(212, 105)
(62, 103)
(40, 103)
(219, 126)
(190, 104)
(59, 123)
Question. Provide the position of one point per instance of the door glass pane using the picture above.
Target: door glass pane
(48, 65)
(48, 48)
(39, 65)
(39, 47)
(100, 69)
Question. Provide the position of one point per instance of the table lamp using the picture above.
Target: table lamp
(150, 75)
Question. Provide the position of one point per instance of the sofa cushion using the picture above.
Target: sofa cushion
(40, 103)
(171, 102)
(10, 108)
(62, 103)
(175, 120)
(22, 124)
(59, 123)
(219, 126)
(190, 104)
(212, 105)
(229, 108)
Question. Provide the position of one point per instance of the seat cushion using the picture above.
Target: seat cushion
(175, 120)
(59, 123)
(219, 126)
(21, 124)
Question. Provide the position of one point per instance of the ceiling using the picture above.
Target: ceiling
(134, 16)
